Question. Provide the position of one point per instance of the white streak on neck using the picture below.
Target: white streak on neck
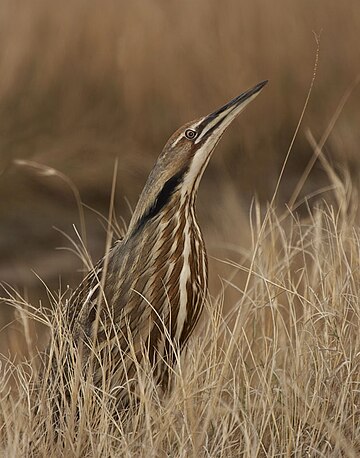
(184, 277)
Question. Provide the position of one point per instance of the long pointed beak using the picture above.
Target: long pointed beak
(220, 119)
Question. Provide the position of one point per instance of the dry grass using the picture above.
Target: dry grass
(277, 376)
(273, 370)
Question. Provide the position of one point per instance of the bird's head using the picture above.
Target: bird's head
(185, 156)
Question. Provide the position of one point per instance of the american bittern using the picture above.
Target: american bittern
(148, 292)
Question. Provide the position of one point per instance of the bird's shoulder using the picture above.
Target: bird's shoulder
(86, 297)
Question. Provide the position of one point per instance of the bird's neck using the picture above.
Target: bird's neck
(168, 235)
(163, 260)
(166, 206)
(170, 220)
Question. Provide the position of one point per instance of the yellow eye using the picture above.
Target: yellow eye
(190, 134)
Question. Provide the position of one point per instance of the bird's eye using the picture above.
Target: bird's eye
(190, 134)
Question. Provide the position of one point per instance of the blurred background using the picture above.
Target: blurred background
(86, 83)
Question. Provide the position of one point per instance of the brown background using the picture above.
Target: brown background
(84, 83)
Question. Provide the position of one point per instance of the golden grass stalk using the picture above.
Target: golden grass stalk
(288, 387)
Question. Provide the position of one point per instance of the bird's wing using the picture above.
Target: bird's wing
(82, 305)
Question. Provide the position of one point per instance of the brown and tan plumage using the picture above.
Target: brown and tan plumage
(149, 291)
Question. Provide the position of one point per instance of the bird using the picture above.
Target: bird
(145, 297)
